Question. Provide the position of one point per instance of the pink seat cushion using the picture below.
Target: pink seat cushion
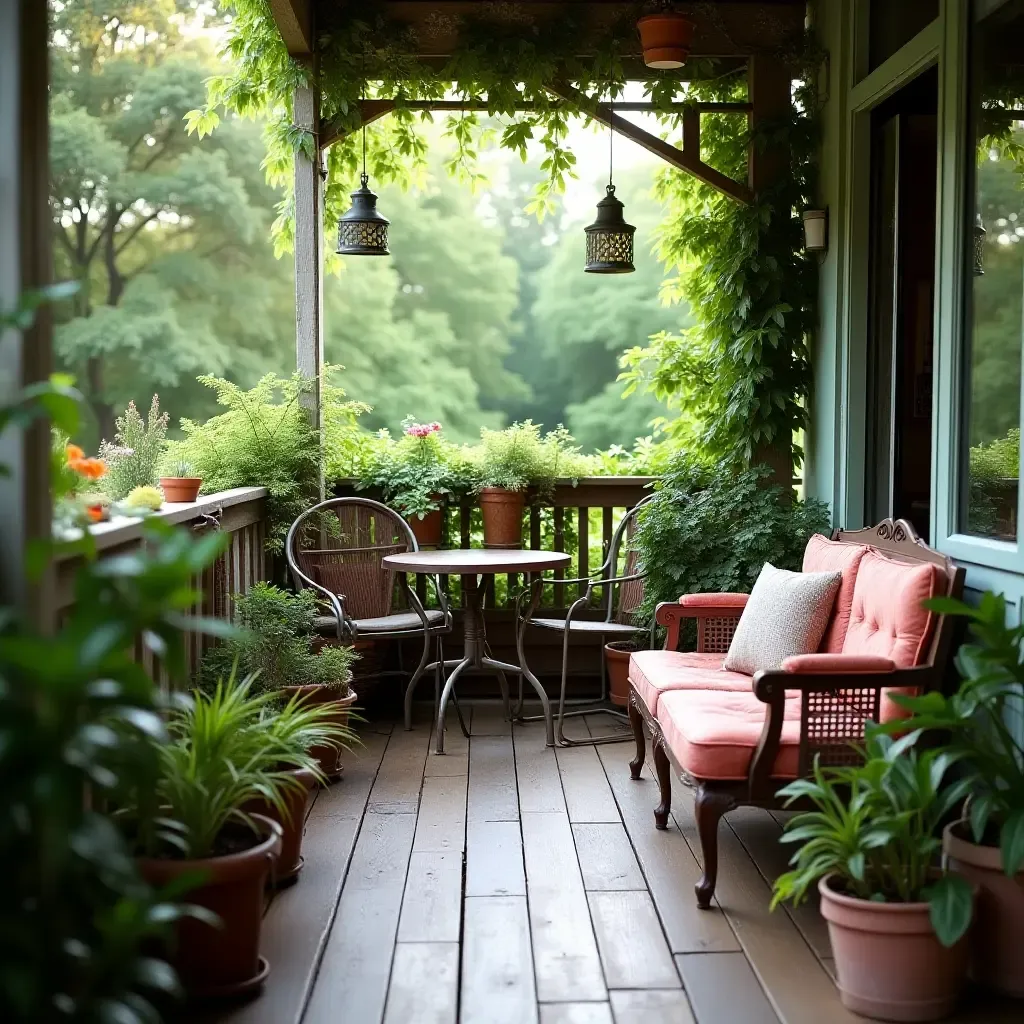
(824, 555)
(653, 673)
(713, 735)
(887, 618)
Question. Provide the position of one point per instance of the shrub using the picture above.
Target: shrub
(712, 528)
(133, 456)
(146, 498)
(518, 457)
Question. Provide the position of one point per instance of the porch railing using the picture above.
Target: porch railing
(241, 513)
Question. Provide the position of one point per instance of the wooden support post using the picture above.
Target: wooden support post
(769, 85)
(309, 256)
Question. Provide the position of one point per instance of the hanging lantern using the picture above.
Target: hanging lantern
(979, 246)
(666, 40)
(362, 231)
(610, 238)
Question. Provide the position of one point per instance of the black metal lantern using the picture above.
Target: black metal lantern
(362, 231)
(610, 238)
(979, 246)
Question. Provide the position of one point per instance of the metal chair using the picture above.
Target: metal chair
(615, 623)
(336, 548)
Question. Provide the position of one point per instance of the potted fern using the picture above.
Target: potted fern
(181, 483)
(897, 923)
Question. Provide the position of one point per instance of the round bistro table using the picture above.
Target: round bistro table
(471, 564)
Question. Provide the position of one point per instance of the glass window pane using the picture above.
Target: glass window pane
(995, 272)
(893, 23)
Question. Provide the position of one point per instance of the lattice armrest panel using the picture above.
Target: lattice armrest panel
(714, 633)
(832, 725)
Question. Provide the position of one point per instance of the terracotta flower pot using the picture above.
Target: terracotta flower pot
(222, 961)
(666, 39)
(617, 655)
(289, 861)
(428, 530)
(181, 488)
(328, 757)
(998, 937)
(503, 517)
(890, 964)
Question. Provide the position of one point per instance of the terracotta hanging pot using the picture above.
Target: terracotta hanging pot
(503, 517)
(181, 488)
(328, 757)
(429, 529)
(666, 40)
(617, 655)
(216, 962)
(998, 939)
(292, 822)
(890, 964)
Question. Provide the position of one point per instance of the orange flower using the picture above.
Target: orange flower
(95, 513)
(74, 453)
(91, 468)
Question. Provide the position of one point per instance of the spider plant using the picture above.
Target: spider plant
(229, 747)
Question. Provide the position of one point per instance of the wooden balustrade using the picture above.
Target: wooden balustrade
(241, 513)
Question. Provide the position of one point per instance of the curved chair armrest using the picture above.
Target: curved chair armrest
(670, 614)
(442, 599)
(768, 684)
(839, 664)
(336, 601)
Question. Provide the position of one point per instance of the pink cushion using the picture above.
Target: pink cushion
(653, 673)
(713, 600)
(824, 555)
(713, 735)
(837, 664)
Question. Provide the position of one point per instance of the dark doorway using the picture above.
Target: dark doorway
(904, 158)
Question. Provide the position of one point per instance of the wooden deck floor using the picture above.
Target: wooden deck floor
(508, 883)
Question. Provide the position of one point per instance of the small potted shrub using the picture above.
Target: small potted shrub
(276, 641)
(978, 726)
(616, 656)
(181, 482)
(227, 748)
(896, 922)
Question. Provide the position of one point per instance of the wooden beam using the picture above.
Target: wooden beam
(295, 23)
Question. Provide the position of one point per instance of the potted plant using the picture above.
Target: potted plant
(897, 923)
(276, 644)
(980, 727)
(666, 38)
(616, 655)
(132, 456)
(181, 482)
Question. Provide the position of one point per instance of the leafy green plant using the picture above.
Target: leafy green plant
(998, 460)
(265, 439)
(876, 830)
(79, 715)
(519, 457)
(227, 748)
(979, 723)
(144, 499)
(274, 644)
(711, 527)
(180, 469)
(133, 455)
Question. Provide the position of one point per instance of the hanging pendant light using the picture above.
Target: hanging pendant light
(610, 238)
(362, 231)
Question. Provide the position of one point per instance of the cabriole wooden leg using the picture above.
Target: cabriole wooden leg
(709, 806)
(664, 772)
(636, 766)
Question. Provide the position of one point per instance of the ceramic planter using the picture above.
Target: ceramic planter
(617, 654)
(998, 938)
(328, 757)
(890, 964)
(503, 517)
(181, 488)
(429, 529)
(289, 861)
(666, 39)
(214, 962)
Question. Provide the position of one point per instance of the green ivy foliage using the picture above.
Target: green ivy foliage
(712, 526)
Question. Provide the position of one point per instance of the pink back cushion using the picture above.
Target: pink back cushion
(824, 555)
(887, 618)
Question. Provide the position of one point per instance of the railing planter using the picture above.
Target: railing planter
(502, 512)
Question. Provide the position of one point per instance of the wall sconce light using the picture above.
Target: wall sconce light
(815, 230)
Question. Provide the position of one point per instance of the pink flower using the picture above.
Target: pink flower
(422, 429)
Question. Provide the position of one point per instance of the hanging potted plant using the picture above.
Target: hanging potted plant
(896, 922)
(978, 726)
(276, 645)
(227, 749)
(181, 482)
(666, 38)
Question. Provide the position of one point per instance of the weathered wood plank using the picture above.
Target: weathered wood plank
(455, 760)
(587, 793)
(629, 937)
(724, 990)
(652, 1007)
(667, 863)
(540, 788)
(606, 857)
(497, 984)
(492, 779)
(441, 825)
(494, 859)
(575, 1013)
(565, 952)
(432, 904)
(424, 984)
(397, 789)
(489, 718)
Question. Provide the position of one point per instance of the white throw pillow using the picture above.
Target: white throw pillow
(787, 613)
